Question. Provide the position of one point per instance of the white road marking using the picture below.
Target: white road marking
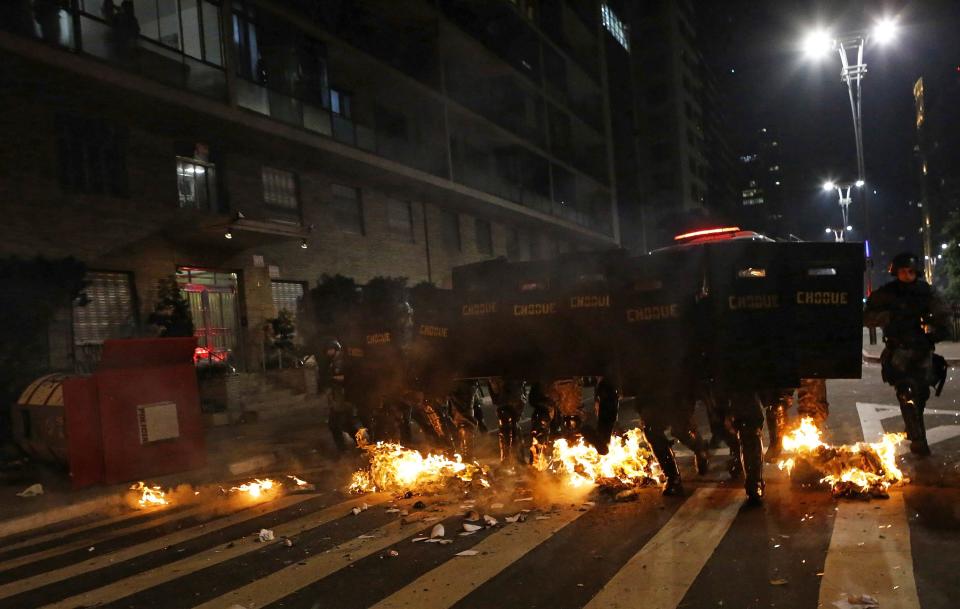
(873, 415)
(867, 559)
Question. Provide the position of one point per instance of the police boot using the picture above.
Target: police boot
(465, 441)
(751, 447)
(668, 463)
(918, 444)
(701, 455)
(734, 462)
(608, 409)
(776, 425)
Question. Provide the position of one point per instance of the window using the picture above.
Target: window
(400, 219)
(287, 295)
(618, 29)
(450, 230)
(92, 156)
(191, 27)
(484, 236)
(280, 188)
(109, 312)
(340, 103)
(347, 209)
(197, 184)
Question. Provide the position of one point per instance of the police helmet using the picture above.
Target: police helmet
(903, 260)
(333, 344)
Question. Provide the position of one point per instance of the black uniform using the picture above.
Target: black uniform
(341, 419)
(511, 396)
(913, 318)
(465, 416)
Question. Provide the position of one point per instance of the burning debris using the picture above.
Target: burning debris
(628, 463)
(395, 468)
(150, 496)
(859, 470)
(257, 489)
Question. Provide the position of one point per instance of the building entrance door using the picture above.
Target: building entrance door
(215, 313)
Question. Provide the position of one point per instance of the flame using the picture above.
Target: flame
(255, 489)
(860, 469)
(393, 467)
(297, 481)
(150, 496)
(628, 461)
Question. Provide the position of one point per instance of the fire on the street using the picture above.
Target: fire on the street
(150, 496)
(394, 468)
(863, 469)
(628, 462)
(256, 489)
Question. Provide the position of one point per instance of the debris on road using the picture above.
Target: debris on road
(360, 508)
(467, 553)
(265, 535)
(31, 491)
(489, 520)
(437, 531)
(518, 517)
(778, 582)
(288, 542)
(857, 601)
(417, 539)
(496, 506)
(419, 505)
(393, 553)
(471, 528)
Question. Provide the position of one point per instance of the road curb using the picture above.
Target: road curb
(58, 514)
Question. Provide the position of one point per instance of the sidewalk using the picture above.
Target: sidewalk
(871, 353)
(291, 444)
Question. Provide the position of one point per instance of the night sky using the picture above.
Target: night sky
(753, 46)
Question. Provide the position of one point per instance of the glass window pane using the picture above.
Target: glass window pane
(190, 20)
(146, 14)
(169, 23)
(399, 219)
(211, 34)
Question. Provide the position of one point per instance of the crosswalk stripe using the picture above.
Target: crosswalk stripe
(281, 583)
(111, 534)
(30, 538)
(49, 577)
(870, 554)
(148, 579)
(659, 574)
(454, 579)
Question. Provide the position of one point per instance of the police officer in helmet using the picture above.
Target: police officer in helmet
(913, 319)
(340, 420)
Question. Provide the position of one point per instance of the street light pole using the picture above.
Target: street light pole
(852, 75)
(843, 194)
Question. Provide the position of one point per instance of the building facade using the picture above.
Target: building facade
(761, 185)
(685, 161)
(936, 95)
(248, 147)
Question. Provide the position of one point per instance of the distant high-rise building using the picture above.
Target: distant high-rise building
(761, 185)
(936, 97)
(684, 159)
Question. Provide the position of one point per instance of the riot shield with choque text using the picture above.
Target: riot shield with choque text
(827, 301)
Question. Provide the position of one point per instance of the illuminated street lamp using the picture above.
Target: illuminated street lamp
(843, 194)
(853, 68)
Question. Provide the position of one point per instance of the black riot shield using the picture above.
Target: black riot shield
(480, 338)
(432, 353)
(384, 334)
(531, 314)
(587, 346)
(827, 283)
(653, 307)
(749, 317)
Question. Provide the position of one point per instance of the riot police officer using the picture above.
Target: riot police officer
(913, 318)
(673, 412)
(340, 418)
(466, 416)
(511, 396)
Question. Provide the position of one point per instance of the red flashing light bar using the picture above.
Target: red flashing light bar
(708, 231)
